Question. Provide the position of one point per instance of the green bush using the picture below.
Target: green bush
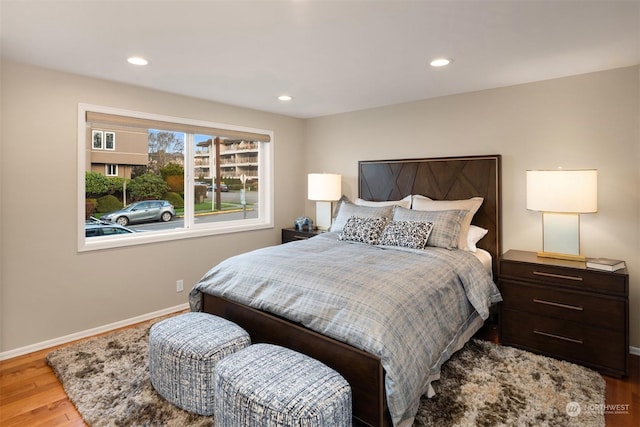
(147, 187)
(175, 200)
(116, 184)
(108, 203)
(96, 184)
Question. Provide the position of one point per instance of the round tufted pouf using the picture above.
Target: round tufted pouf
(268, 385)
(183, 351)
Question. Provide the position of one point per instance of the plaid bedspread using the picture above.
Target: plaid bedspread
(404, 306)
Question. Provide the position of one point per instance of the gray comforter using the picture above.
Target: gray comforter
(407, 307)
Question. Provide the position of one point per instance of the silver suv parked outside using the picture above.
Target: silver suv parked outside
(147, 210)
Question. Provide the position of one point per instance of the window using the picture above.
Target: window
(109, 140)
(172, 178)
(111, 170)
(97, 139)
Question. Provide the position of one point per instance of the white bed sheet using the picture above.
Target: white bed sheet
(486, 259)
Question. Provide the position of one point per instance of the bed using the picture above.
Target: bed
(349, 328)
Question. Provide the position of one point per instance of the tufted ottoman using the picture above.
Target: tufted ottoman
(183, 352)
(268, 385)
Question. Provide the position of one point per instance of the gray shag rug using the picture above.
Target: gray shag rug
(481, 385)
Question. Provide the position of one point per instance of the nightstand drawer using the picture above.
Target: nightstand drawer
(571, 277)
(594, 347)
(292, 234)
(588, 309)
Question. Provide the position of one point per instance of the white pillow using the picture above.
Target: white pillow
(405, 203)
(423, 203)
(475, 234)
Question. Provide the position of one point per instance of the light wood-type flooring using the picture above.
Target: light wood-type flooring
(31, 395)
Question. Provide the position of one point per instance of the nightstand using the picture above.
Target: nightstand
(291, 234)
(564, 310)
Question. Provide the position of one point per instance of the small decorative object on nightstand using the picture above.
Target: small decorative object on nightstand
(303, 222)
(565, 310)
(291, 234)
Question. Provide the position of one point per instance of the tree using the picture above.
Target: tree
(139, 170)
(173, 175)
(95, 184)
(164, 147)
(116, 183)
(147, 186)
(171, 169)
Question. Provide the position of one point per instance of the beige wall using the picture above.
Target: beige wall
(48, 289)
(586, 121)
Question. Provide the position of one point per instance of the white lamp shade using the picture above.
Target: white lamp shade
(324, 186)
(570, 191)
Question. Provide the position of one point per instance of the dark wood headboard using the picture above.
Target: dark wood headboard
(442, 178)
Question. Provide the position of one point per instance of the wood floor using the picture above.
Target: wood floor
(31, 395)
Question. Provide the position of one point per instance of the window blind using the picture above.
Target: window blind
(104, 119)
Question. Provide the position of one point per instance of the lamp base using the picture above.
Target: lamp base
(555, 255)
(323, 215)
(561, 236)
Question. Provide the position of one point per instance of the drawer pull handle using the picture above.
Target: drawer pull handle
(558, 276)
(560, 337)
(299, 237)
(557, 304)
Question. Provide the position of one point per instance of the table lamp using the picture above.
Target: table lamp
(562, 195)
(324, 188)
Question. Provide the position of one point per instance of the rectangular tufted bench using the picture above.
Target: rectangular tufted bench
(183, 351)
(271, 386)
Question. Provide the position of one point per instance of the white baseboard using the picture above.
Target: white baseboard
(89, 332)
(634, 350)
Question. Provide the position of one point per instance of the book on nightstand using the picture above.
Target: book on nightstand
(606, 264)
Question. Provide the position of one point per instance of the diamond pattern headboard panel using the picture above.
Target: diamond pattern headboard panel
(442, 178)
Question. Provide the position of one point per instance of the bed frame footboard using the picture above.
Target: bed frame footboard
(362, 370)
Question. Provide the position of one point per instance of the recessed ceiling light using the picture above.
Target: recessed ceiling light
(136, 60)
(285, 98)
(440, 62)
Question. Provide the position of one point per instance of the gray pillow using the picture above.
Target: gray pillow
(407, 234)
(446, 224)
(346, 210)
(363, 230)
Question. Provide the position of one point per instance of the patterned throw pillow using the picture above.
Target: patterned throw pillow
(407, 234)
(363, 230)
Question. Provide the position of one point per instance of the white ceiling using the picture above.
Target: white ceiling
(331, 56)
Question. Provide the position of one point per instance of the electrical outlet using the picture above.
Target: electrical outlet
(179, 285)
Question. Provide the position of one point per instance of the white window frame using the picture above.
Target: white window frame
(190, 230)
(108, 166)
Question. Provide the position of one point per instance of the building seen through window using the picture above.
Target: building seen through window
(212, 176)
